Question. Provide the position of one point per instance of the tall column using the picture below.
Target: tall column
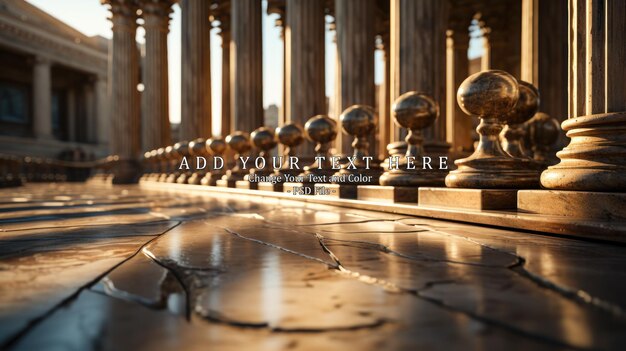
(196, 70)
(384, 112)
(71, 115)
(246, 65)
(279, 8)
(125, 118)
(90, 109)
(42, 98)
(227, 116)
(418, 58)
(459, 125)
(156, 128)
(544, 53)
(305, 33)
(355, 49)
(101, 109)
(595, 159)
(503, 17)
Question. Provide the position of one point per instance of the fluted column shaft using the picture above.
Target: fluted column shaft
(246, 65)
(125, 118)
(42, 95)
(597, 52)
(544, 54)
(304, 42)
(418, 56)
(226, 101)
(196, 70)
(156, 125)
(459, 125)
(355, 48)
(595, 159)
(384, 110)
(101, 110)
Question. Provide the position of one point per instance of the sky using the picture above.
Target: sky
(91, 18)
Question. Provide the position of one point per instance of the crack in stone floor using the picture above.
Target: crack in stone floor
(182, 271)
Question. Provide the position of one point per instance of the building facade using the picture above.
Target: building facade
(53, 85)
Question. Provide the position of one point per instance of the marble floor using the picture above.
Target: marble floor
(84, 267)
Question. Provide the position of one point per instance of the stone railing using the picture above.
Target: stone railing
(17, 170)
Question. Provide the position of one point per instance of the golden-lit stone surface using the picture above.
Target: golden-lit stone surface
(473, 199)
(179, 271)
(574, 204)
(492, 96)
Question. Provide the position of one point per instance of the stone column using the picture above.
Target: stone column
(595, 159)
(156, 128)
(418, 58)
(71, 115)
(385, 123)
(279, 8)
(90, 109)
(101, 109)
(196, 70)
(355, 49)
(227, 117)
(544, 54)
(306, 96)
(246, 65)
(125, 117)
(459, 125)
(42, 99)
(503, 18)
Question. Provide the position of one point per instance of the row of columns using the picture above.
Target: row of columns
(413, 45)
(93, 103)
(420, 43)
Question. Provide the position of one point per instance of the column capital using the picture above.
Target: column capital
(41, 60)
(123, 14)
(156, 13)
(122, 7)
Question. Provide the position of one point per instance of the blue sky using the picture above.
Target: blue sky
(91, 18)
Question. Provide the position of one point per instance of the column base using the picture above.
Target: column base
(126, 172)
(340, 191)
(266, 186)
(594, 158)
(574, 204)
(380, 193)
(223, 183)
(244, 184)
(472, 199)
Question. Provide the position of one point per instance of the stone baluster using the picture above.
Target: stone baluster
(183, 151)
(264, 140)
(173, 162)
(513, 133)
(491, 95)
(321, 130)
(197, 149)
(216, 147)
(161, 165)
(239, 142)
(359, 122)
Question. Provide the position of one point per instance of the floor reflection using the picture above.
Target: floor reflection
(255, 274)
